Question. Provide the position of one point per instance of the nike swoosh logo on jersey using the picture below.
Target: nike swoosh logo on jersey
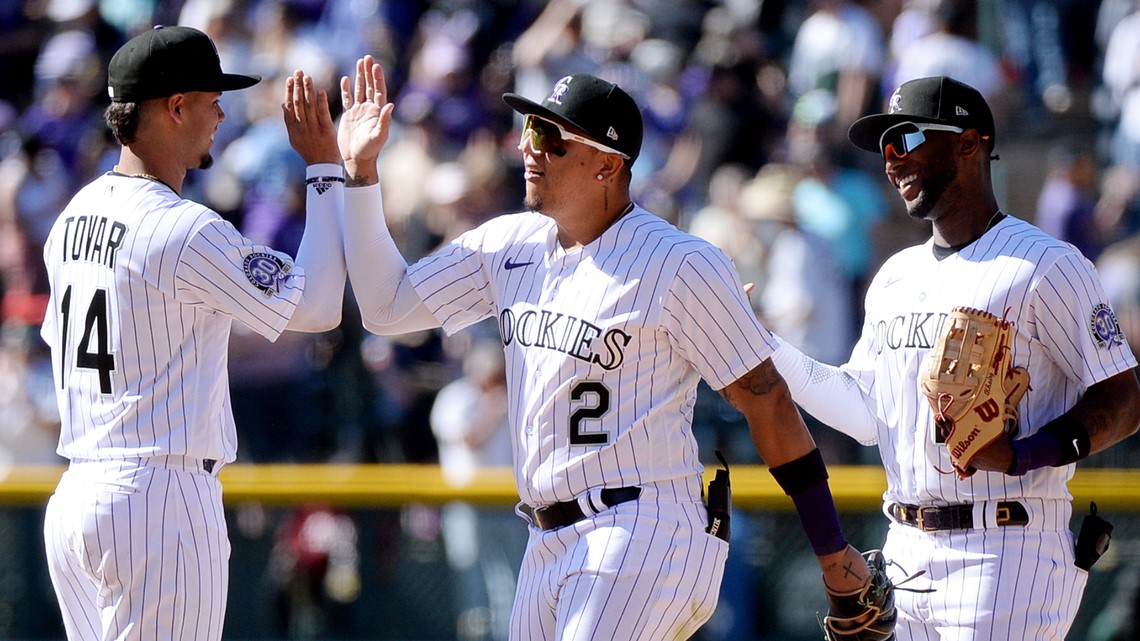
(892, 281)
(509, 265)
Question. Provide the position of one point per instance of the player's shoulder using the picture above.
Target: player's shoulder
(1022, 240)
(505, 230)
(644, 228)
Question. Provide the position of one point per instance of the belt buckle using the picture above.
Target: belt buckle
(1003, 515)
(921, 519)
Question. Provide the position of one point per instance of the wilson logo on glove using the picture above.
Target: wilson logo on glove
(970, 410)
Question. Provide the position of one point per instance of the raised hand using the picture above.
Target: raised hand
(308, 121)
(366, 122)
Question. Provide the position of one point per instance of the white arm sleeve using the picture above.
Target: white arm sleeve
(387, 299)
(321, 254)
(827, 393)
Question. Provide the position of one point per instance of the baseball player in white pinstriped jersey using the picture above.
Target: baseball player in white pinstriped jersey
(608, 317)
(144, 287)
(995, 546)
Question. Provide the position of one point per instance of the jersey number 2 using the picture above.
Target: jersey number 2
(94, 326)
(589, 410)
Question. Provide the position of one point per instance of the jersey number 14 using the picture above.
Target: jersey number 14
(94, 329)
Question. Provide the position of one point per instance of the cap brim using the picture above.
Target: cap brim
(866, 132)
(235, 81)
(525, 106)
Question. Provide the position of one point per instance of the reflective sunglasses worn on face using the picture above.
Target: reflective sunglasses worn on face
(905, 137)
(548, 137)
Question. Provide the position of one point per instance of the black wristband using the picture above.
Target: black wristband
(1073, 436)
(323, 179)
(801, 474)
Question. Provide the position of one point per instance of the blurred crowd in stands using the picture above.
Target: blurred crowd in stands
(746, 105)
(746, 109)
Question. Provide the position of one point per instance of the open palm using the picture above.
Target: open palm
(367, 118)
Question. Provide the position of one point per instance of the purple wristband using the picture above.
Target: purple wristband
(819, 519)
(1043, 449)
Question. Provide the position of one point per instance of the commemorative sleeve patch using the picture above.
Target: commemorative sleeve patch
(266, 272)
(1105, 330)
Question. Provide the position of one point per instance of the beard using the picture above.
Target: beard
(533, 203)
(206, 161)
(937, 178)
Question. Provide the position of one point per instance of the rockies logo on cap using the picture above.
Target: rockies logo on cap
(600, 109)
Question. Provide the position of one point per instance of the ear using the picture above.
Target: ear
(970, 142)
(175, 105)
(611, 165)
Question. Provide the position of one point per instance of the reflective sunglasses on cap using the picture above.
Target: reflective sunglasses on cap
(548, 137)
(905, 137)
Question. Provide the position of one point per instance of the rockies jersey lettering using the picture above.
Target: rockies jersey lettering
(917, 329)
(605, 344)
(94, 239)
(564, 333)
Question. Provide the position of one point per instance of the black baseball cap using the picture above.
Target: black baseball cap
(938, 99)
(169, 60)
(598, 108)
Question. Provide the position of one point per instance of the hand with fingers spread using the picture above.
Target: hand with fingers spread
(366, 121)
(308, 121)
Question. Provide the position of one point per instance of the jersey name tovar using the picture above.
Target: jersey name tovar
(564, 333)
(94, 239)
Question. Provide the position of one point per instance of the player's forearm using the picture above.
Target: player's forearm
(1110, 410)
(827, 393)
(321, 253)
(378, 272)
(1108, 413)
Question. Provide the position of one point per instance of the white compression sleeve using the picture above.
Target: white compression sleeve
(321, 253)
(387, 299)
(827, 393)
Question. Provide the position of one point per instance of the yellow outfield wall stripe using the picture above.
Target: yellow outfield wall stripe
(856, 488)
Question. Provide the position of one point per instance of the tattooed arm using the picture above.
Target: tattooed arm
(787, 447)
(778, 430)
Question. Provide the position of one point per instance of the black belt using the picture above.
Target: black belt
(931, 518)
(552, 517)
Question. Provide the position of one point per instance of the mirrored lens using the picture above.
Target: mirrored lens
(901, 139)
(544, 136)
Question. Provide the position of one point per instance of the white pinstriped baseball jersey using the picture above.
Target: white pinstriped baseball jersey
(605, 345)
(987, 581)
(144, 286)
(1065, 335)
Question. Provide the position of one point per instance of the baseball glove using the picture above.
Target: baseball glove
(867, 614)
(971, 385)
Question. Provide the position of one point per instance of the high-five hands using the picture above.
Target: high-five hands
(308, 121)
(366, 122)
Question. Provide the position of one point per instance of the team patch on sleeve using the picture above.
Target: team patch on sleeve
(266, 272)
(1104, 328)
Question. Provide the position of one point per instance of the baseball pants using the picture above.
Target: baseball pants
(642, 570)
(996, 582)
(138, 550)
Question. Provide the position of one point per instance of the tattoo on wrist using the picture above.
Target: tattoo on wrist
(360, 180)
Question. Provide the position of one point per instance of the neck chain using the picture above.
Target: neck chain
(146, 176)
(993, 221)
(941, 252)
